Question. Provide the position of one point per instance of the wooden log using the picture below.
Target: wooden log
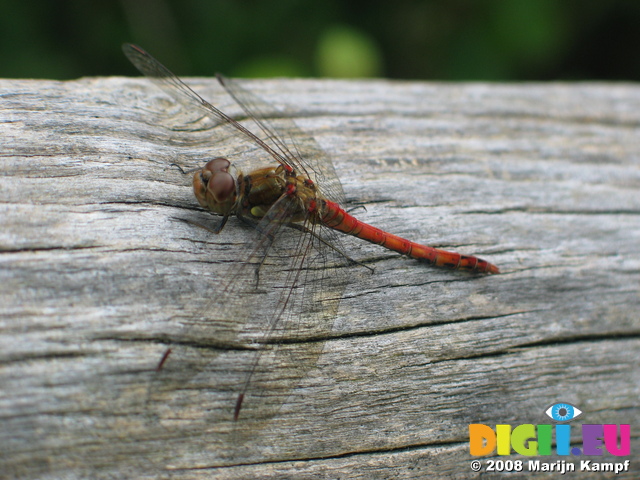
(102, 272)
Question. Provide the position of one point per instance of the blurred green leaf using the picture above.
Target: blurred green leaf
(345, 52)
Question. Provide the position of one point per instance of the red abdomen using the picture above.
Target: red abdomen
(336, 217)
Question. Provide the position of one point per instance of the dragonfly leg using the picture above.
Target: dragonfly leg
(357, 207)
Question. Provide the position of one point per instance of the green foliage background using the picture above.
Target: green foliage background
(501, 40)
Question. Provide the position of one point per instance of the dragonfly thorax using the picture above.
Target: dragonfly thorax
(215, 187)
(267, 187)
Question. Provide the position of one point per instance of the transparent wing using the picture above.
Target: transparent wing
(282, 140)
(259, 333)
(260, 329)
(170, 83)
(301, 150)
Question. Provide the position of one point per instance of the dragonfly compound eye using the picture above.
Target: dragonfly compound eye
(218, 165)
(221, 186)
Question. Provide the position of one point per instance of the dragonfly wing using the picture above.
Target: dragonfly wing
(274, 300)
(267, 316)
(281, 138)
(185, 95)
(300, 149)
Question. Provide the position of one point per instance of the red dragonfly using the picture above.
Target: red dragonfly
(295, 186)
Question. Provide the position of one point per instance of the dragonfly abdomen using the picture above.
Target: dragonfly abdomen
(336, 217)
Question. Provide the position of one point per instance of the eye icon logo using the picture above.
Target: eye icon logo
(563, 412)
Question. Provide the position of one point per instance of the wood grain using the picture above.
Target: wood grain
(100, 271)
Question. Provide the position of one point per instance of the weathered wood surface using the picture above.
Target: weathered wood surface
(96, 273)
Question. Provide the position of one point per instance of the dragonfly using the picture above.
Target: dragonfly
(290, 195)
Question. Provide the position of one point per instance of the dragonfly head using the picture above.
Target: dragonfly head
(215, 187)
